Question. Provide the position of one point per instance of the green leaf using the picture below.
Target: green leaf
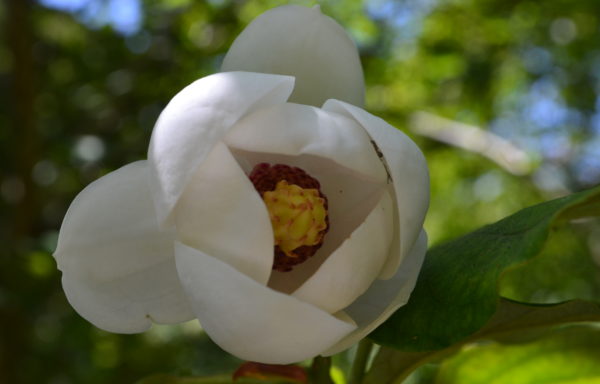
(569, 355)
(457, 291)
(512, 322)
(222, 379)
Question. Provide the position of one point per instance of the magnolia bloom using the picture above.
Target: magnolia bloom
(288, 230)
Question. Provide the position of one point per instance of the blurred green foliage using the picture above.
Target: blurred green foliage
(81, 92)
(543, 359)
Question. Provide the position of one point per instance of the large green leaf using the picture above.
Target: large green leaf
(512, 322)
(457, 291)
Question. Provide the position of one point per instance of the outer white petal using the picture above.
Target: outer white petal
(384, 297)
(409, 172)
(221, 214)
(349, 271)
(250, 320)
(118, 266)
(304, 43)
(196, 119)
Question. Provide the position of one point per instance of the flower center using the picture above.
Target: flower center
(297, 209)
(297, 216)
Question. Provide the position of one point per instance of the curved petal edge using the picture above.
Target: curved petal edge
(409, 173)
(308, 45)
(220, 213)
(196, 119)
(349, 270)
(118, 266)
(251, 321)
(384, 297)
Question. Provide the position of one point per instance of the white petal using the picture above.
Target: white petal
(221, 214)
(384, 297)
(304, 43)
(196, 119)
(118, 266)
(350, 270)
(409, 172)
(250, 320)
(294, 129)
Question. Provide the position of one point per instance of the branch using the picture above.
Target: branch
(473, 139)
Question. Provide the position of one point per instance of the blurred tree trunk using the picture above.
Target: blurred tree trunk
(24, 128)
(24, 147)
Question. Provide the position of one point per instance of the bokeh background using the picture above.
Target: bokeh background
(501, 95)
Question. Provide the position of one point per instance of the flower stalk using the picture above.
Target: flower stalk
(320, 370)
(361, 360)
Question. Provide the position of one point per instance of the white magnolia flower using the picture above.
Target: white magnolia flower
(186, 234)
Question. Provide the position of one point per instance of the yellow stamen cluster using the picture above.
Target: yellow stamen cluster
(297, 215)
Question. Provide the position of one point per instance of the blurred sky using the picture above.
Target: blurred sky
(125, 16)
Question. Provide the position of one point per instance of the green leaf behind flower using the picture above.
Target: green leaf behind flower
(457, 291)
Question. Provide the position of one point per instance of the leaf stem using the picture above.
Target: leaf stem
(360, 361)
(320, 370)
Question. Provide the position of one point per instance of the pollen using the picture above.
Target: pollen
(297, 216)
(297, 209)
